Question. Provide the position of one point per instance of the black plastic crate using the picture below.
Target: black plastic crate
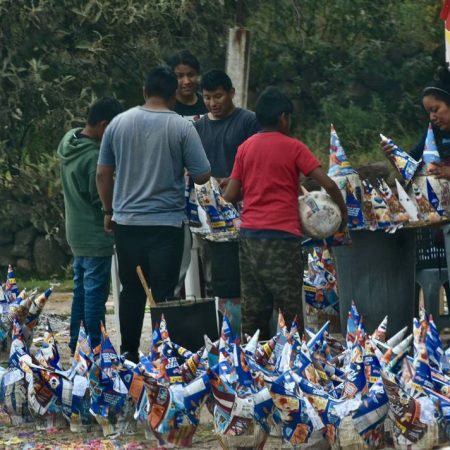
(430, 250)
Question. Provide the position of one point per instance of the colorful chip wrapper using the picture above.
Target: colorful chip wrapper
(207, 201)
(405, 411)
(369, 418)
(339, 164)
(397, 211)
(434, 200)
(36, 307)
(430, 156)
(379, 217)
(11, 289)
(191, 204)
(370, 217)
(228, 211)
(372, 366)
(222, 216)
(355, 213)
(404, 163)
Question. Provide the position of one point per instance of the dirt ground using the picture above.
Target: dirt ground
(26, 437)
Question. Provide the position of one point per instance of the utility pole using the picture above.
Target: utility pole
(238, 56)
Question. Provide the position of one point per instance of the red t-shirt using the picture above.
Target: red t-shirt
(268, 165)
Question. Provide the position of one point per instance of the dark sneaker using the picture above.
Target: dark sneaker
(131, 356)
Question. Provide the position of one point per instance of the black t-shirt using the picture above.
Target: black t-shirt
(221, 138)
(192, 112)
(442, 143)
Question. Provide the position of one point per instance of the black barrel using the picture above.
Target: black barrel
(226, 281)
(378, 271)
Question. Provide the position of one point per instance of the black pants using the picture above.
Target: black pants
(158, 250)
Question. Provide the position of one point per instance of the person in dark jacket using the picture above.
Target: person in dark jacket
(92, 248)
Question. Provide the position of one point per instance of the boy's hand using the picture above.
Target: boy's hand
(107, 224)
(223, 183)
(343, 228)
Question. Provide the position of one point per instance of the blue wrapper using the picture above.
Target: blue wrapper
(338, 164)
(227, 211)
(430, 155)
(191, 204)
(372, 366)
(371, 413)
(105, 401)
(433, 199)
(11, 289)
(404, 163)
(354, 209)
(172, 368)
(195, 394)
(241, 366)
(263, 408)
(83, 357)
(108, 356)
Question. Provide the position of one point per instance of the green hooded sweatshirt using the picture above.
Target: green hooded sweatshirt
(84, 219)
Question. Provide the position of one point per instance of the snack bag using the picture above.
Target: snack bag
(339, 165)
(398, 212)
(207, 200)
(11, 289)
(380, 208)
(191, 204)
(355, 214)
(433, 199)
(426, 211)
(370, 217)
(36, 307)
(405, 164)
(430, 156)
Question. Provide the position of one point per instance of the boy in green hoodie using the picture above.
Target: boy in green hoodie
(92, 248)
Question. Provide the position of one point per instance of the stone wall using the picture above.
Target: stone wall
(33, 253)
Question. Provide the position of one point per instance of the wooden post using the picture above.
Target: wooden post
(238, 63)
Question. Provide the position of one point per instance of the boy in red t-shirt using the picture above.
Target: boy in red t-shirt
(266, 176)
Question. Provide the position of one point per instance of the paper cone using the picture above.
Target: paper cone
(405, 164)
(339, 164)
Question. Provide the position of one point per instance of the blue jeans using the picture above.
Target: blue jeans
(91, 277)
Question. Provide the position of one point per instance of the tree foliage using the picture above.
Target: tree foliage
(359, 64)
(59, 55)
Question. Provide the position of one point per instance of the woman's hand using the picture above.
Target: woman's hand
(439, 171)
(387, 147)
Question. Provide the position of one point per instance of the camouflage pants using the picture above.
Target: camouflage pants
(271, 278)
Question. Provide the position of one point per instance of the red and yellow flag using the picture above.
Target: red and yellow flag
(445, 16)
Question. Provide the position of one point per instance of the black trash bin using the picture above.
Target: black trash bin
(226, 281)
(188, 321)
(378, 272)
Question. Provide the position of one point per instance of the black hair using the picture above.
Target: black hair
(161, 82)
(270, 105)
(440, 88)
(105, 108)
(184, 57)
(214, 79)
